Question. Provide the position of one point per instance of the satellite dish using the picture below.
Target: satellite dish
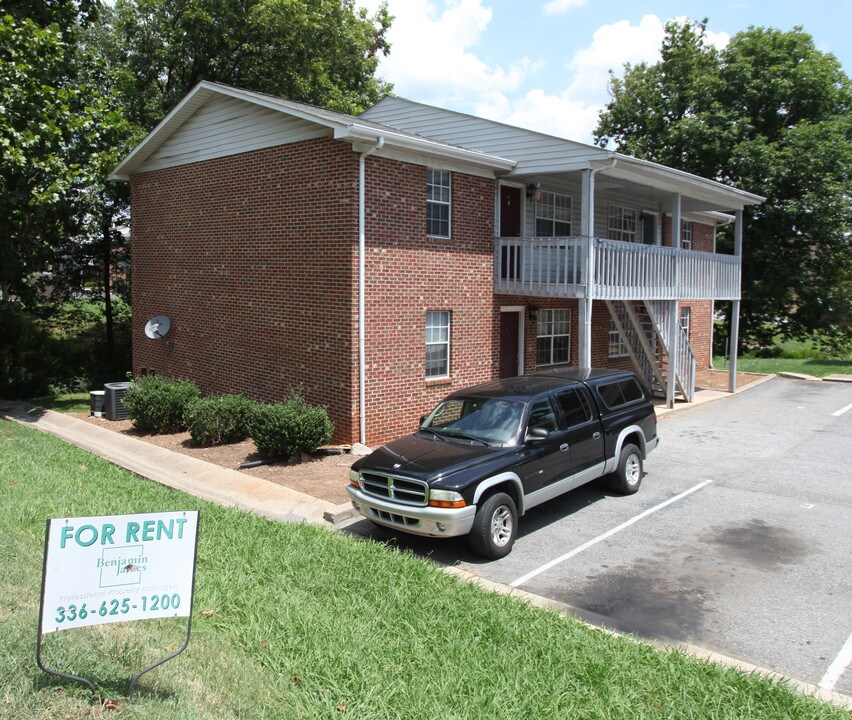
(157, 327)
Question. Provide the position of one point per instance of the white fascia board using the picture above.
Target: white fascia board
(710, 217)
(666, 178)
(200, 94)
(343, 130)
(179, 114)
(423, 146)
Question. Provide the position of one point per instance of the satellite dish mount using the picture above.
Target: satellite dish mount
(157, 327)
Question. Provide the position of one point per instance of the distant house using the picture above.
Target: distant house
(378, 262)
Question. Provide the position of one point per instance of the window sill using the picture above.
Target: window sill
(433, 382)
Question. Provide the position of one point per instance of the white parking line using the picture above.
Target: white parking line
(838, 667)
(585, 546)
(842, 410)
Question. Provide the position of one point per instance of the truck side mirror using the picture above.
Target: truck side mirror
(537, 434)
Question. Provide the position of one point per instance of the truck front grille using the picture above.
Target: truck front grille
(401, 490)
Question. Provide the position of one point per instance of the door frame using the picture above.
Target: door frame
(499, 207)
(522, 313)
(658, 227)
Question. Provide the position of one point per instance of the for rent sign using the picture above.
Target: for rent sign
(115, 568)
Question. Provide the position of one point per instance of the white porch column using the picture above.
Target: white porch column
(587, 229)
(734, 337)
(674, 320)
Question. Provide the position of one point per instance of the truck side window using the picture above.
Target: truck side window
(542, 415)
(574, 407)
(620, 392)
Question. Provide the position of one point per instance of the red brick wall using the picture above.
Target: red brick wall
(251, 257)
(254, 259)
(408, 274)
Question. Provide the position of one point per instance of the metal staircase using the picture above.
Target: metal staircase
(645, 329)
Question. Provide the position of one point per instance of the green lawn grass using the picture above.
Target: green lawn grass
(303, 622)
(65, 403)
(808, 366)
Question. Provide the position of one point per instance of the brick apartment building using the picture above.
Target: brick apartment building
(379, 262)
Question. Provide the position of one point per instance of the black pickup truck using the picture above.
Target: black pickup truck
(487, 454)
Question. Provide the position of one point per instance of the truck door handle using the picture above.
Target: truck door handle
(563, 447)
(596, 436)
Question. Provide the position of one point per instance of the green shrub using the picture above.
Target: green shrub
(219, 419)
(158, 404)
(289, 428)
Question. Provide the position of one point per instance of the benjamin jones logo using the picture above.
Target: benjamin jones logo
(122, 565)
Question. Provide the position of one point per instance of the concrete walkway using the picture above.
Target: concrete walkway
(196, 477)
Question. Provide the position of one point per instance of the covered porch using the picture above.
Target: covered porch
(627, 250)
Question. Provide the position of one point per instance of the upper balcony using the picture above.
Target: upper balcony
(559, 267)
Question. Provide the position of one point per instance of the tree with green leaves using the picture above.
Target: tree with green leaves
(56, 135)
(323, 52)
(771, 114)
(82, 82)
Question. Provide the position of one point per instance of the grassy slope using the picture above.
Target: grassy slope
(307, 623)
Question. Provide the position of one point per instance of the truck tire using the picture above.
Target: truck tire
(628, 475)
(494, 527)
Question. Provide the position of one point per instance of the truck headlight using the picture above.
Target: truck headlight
(355, 478)
(445, 499)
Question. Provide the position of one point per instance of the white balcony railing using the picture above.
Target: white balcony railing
(556, 267)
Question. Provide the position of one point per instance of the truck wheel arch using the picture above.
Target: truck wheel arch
(624, 437)
(507, 482)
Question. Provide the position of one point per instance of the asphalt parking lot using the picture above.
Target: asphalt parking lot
(739, 541)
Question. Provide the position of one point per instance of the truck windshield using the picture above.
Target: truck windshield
(488, 420)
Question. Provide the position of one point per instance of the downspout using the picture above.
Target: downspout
(362, 242)
(588, 223)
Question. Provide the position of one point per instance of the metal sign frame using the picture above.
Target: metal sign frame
(135, 679)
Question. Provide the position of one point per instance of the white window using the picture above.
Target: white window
(617, 347)
(438, 203)
(552, 215)
(685, 313)
(553, 340)
(686, 235)
(437, 344)
(622, 223)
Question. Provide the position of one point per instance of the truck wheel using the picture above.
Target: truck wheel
(494, 527)
(628, 475)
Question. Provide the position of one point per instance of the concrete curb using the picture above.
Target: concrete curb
(563, 609)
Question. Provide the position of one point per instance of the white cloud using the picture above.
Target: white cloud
(573, 112)
(556, 7)
(434, 60)
(432, 57)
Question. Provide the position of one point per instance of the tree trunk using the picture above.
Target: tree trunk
(106, 251)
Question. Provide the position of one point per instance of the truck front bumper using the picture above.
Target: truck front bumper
(430, 521)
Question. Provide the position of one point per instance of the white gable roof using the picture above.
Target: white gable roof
(539, 154)
(215, 120)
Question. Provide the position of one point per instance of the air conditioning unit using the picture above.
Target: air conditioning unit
(113, 406)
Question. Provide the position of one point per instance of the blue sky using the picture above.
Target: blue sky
(543, 64)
